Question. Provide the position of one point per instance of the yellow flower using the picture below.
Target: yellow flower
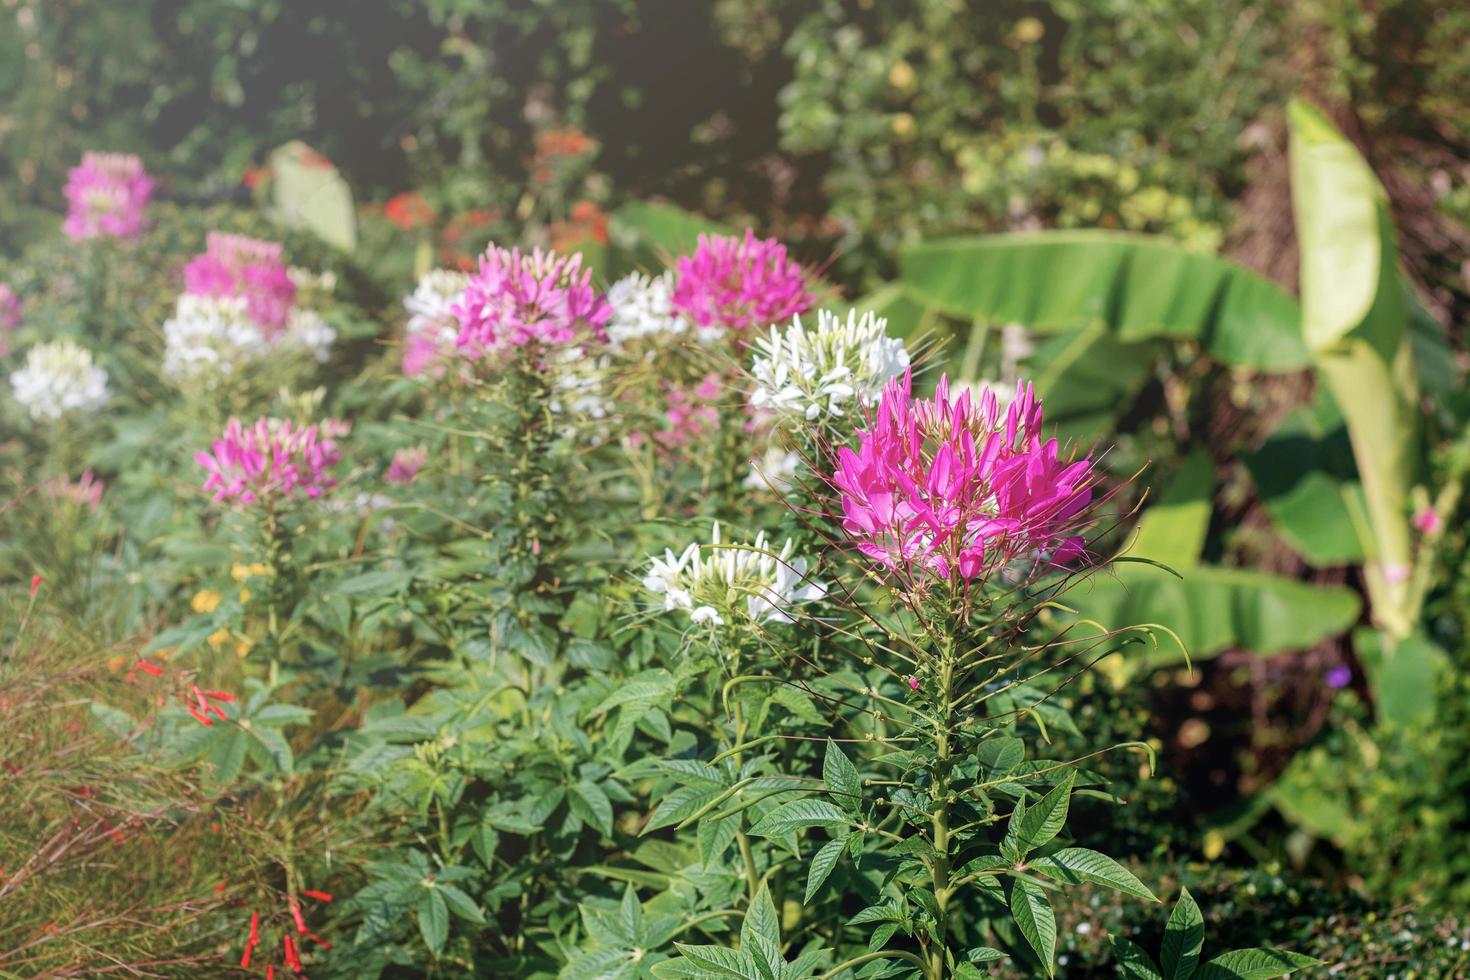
(244, 596)
(1029, 30)
(243, 645)
(1214, 844)
(241, 572)
(205, 601)
(219, 638)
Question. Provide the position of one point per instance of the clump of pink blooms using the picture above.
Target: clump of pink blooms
(246, 268)
(946, 488)
(405, 465)
(739, 284)
(271, 460)
(86, 491)
(106, 196)
(9, 316)
(690, 413)
(1428, 521)
(538, 298)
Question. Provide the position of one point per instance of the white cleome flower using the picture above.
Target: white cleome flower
(306, 330)
(775, 471)
(811, 374)
(434, 298)
(209, 337)
(642, 307)
(709, 581)
(60, 379)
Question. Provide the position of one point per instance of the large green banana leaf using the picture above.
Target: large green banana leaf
(1136, 287)
(645, 235)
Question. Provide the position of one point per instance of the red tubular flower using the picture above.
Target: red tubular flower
(35, 585)
(319, 896)
(293, 956)
(201, 707)
(296, 914)
(252, 941)
(148, 668)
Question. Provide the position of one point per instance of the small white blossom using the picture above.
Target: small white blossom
(810, 374)
(708, 581)
(59, 379)
(775, 471)
(431, 305)
(208, 337)
(642, 307)
(305, 329)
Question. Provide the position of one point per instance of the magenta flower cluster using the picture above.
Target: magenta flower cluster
(106, 195)
(270, 460)
(518, 299)
(236, 266)
(737, 284)
(947, 487)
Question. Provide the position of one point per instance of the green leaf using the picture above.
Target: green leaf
(651, 233)
(1254, 964)
(308, 192)
(798, 815)
(1184, 937)
(1308, 483)
(719, 962)
(984, 954)
(1133, 962)
(461, 904)
(1036, 921)
(588, 801)
(1045, 818)
(761, 922)
(1136, 286)
(1088, 378)
(841, 778)
(1214, 609)
(1173, 530)
(821, 867)
(1401, 674)
(1078, 864)
(433, 920)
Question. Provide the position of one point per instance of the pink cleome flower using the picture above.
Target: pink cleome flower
(690, 413)
(405, 465)
(944, 487)
(271, 459)
(518, 299)
(85, 492)
(739, 283)
(234, 265)
(107, 194)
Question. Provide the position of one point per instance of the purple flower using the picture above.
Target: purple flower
(1339, 677)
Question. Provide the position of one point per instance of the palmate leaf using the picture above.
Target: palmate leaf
(1078, 864)
(1038, 924)
(1254, 964)
(1137, 287)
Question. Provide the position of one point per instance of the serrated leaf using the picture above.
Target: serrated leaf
(1074, 865)
(998, 756)
(588, 801)
(761, 922)
(985, 954)
(1044, 819)
(681, 803)
(821, 867)
(433, 920)
(1257, 963)
(841, 778)
(1184, 937)
(722, 962)
(798, 815)
(461, 904)
(1034, 917)
(1133, 963)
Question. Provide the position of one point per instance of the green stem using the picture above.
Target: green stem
(882, 954)
(941, 864)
